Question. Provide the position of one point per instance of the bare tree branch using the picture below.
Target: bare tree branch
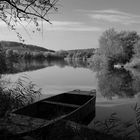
(15, 11)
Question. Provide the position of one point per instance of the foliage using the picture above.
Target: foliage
(22, 47)
(62, 53)
(137, 50)
(117, 47)
(3, 66)
(128, 41)
(98, 62)
(110, 47)
(13, 52)
(134, 63)
(21, 93)
(109, 44)
(16, 51)
(14, 12)
(81, 54)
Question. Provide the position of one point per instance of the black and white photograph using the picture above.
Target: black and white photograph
(69, 69)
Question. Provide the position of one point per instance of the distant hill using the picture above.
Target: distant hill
(22, 47)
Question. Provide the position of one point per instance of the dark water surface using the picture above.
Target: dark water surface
(117, 91)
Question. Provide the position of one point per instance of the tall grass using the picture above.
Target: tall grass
(19, 94)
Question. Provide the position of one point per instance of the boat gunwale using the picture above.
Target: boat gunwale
(81, 106)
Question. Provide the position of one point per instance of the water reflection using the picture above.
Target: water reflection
(27, 65)
(119, 86)
(118, 83)
(31, 65)
(75, 64)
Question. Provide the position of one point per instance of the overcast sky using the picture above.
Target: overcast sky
(79, 23)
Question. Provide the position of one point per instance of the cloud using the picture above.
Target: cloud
(111, 11)
(65, 23)
(58, 26)
(114, 16)
(72, 26)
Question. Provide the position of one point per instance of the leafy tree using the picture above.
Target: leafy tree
(110, 47)
(117, 47)
(61, 53)
(109, 44)
(98, 62)
(137, 50)
(128, 41)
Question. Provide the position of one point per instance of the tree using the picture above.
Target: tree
(110, 47)
(117, 47)
(109, 44)
(137, 50)
(128, 41)
(14, 12)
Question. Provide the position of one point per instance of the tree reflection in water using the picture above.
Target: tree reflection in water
(31, 65)
(119, 83)
(124, 84)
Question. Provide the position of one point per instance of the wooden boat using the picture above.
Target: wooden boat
(76, 106)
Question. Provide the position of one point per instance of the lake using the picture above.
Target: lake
(118, 91)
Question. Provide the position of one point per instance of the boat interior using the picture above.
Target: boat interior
(55, 106)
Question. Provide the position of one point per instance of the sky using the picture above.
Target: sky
(78, 24)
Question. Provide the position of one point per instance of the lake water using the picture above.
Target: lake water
(117, 91)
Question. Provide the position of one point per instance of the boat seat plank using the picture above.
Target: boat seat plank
(62, 104)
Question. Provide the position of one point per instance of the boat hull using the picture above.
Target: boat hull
(84, 114)
(79, 109)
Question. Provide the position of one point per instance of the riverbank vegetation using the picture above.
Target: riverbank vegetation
(13, 96)
(13, 53)
(116, 48)
(16, 95)
(80, 54)
(17, 50)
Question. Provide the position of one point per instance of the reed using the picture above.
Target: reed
(20, 93)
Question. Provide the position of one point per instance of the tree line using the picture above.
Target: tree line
(78, 54)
